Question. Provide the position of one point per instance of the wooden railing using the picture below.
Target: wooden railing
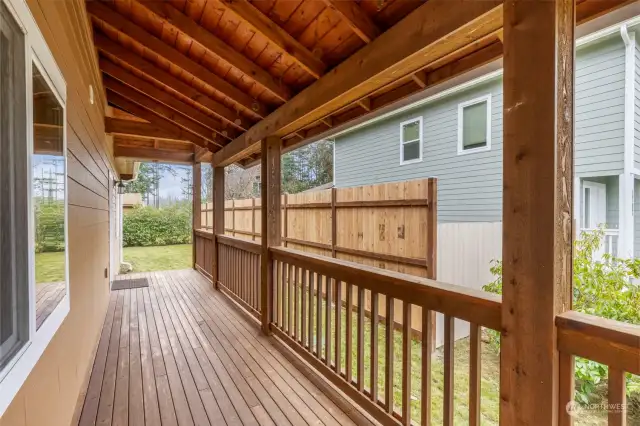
(203, 251)
(240, 276)
(608, 342)
(322, 307)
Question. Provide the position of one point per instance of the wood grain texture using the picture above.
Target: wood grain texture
(537, 225)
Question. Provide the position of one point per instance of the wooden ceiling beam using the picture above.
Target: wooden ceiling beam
(425, 35)
(160, 109)
(176, 131)
(202, 155)
(120, 23)
(159, 95)
(217, 47)
(121, 126)
(152, 154)
(115, 50)
(355, 18)
(261, 24)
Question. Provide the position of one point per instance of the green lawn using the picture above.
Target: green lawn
(159, 258)
(49, 267)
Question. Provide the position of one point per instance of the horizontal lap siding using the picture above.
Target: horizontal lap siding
(470, 186)
(600, 109)
(49, 395)
(637, 107)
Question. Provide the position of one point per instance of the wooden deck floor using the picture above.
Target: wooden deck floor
(48, 296)
(177, 353)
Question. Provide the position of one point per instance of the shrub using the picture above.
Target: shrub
(148, 226)
(601, 287)
(49, 226)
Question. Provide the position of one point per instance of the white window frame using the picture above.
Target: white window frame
(37, 53)
(402, 142)
(461, 107)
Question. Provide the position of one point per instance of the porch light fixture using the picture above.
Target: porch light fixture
(120, 188)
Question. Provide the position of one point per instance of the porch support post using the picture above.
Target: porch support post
(627, 179)
(271, 150)
(195, 197)
(539, 50)
(218, 219)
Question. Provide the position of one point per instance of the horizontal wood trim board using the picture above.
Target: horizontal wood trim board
(343, 204)
(203, 272)
(602, 340)
(338, 380)
(461, 302)
(240, 244)
(204, 234)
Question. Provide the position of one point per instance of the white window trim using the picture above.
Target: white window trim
(15, 373)
(461, 107)
(402, 143)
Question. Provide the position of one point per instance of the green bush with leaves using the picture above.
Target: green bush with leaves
(148, 226)
(49, 226)
(602, 286)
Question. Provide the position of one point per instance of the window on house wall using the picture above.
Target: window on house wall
(474, 125)
(411, 141)
(33, 197)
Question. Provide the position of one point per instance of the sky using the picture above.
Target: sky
(171, 186)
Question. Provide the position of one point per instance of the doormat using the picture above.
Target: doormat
(130, 284)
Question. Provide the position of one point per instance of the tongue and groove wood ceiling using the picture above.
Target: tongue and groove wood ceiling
(205, 71)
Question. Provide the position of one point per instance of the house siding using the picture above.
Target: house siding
(470, 186)
(637, 108)
(636, 219)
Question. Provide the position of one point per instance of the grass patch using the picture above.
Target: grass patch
(49, 267)
(159, 258)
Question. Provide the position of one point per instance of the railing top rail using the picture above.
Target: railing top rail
(609, 342)
(467, 304)
(203, 232)
(239, 243)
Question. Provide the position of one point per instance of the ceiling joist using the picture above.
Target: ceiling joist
(139, 150)
(115, 20)
(276, 35)
(217, 47)
(356, 18)
(117, 51)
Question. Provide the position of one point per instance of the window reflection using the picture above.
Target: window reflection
(49, 182)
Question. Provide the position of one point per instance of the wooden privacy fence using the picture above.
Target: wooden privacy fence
(391, 226)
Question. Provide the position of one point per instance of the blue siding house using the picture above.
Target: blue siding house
(456, 135)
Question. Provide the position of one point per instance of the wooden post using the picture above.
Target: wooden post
(233, 218)
(539, 50)
(253, 219)
(218, 220)
(334, 222)
(197, 206)
(432, 245)
(271, 148)
(284, 220)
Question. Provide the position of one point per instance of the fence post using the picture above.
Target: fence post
(432, 246)
(284, 220)
(196, 210)
(218, 219)
(334, 223)
(270, 153)
(538, 170)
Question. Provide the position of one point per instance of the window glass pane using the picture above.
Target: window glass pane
(474, 130)
(411, 151)
(49, 182)
(14, 278)
(411, 131)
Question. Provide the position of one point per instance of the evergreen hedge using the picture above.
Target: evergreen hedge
(148, 226)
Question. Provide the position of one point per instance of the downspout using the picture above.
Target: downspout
(626, 238)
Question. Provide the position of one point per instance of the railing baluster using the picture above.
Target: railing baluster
(449, 340)
(296, 303)
(327, 334)
(303, 327)
(475, 370)
(290, 300)
(319, 317)
(388, 355)
(427, 339)
(406, 363)
(360, 343)
(617, 398)
(311, 306)
(374, 347)
(349, 339)
(338, 336)
(279, 294)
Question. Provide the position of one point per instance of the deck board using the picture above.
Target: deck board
(178, 353)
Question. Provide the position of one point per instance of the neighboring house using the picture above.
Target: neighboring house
(457, 136)
(131, 200)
